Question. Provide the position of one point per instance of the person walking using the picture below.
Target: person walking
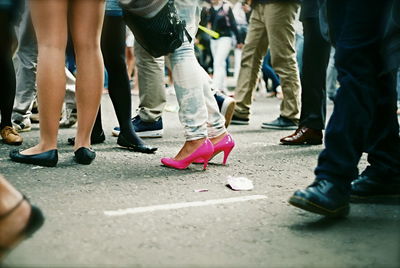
(222, 21)
(316, 53)
(366, 35)
(50, 20)
(271, 26)
(205, 131)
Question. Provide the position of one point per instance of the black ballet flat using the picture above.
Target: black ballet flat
(94, 139)
(84, 156)
(47, 159)
(35, 221)
(143, 148)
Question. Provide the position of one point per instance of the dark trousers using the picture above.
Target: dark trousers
(364, 117)
(7, 73)
(269, 73)
(316, 54)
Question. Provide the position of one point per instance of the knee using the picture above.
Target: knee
(85, 46)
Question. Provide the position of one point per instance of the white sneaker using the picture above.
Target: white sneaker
(69, 117)
(22, 126)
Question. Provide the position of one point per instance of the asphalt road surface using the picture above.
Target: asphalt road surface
(126, 210)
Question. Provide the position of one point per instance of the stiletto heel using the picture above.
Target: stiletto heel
(204, 152)
(225, 145)
(227, 152)
(205, 164)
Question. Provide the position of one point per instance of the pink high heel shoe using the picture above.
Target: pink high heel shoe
(225, 145)
(204, 152)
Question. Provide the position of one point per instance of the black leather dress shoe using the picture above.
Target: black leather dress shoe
(94, 139)
(322, 197)
(368, 189)
(84, 156)
(123, 142)
(47, 159)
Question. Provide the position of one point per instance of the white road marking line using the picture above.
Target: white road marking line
(3, 159)
(122, 212)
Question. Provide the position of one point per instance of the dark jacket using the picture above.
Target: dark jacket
(223, 22)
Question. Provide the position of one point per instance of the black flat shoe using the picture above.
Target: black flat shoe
(94, 139)
(84, 156)
(47, 159)
(143, 148)
(35, 221)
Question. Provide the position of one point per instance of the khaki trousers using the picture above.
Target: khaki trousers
(151, 85)
(271, 25)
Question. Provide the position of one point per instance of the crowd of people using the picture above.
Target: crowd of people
(65, 48)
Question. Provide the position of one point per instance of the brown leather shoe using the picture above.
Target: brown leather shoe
(303, 135)
(10, 136)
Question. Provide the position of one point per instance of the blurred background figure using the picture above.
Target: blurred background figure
(241, 11)
(222, 20)
(8, 13)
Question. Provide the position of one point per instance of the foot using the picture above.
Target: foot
(144, 129)
(13, 225)
(132, 142)
(10, 136)
(47, 158)
(368, 189)
(226, 106)
(303, 135)
(84, 156)
(280, 123)
(239, 120)
(188, 148)
(322, 197)
(94, 138)
(22, 126)
(38, 149)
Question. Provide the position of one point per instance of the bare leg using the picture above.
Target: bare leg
(50, 21)
(86, 24)
(12, 225)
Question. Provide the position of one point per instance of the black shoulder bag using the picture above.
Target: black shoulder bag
(161, 34)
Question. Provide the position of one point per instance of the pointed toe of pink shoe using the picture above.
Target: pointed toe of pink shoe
(169, 162)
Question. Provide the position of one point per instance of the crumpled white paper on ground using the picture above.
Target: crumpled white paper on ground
(240, 183)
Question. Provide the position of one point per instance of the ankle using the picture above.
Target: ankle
(189, 147)
(217, 139)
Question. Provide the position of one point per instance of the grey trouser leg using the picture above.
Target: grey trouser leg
(25, 62)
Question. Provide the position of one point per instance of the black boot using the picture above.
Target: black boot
(323, 197)
(368, 189)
